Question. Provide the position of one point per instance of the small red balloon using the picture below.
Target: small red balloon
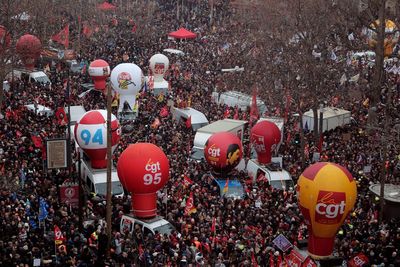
(5, 39)
(143, 168)
(29, 47)
(223, 151)
(99, 70)
(265, 135)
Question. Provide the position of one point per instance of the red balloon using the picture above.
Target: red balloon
(143, 168)
(5, 39)
(223, 151)
(265, 135)
(29, 47)
(91, 135)
(99, 70)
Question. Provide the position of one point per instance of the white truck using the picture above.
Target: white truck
(95, 180)
(273, 172)
(235, 98)
(236, 127)
(198, 119)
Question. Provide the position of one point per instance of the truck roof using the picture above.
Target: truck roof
(154, 222)
(196, 116)
(221, 126)
(76, 112)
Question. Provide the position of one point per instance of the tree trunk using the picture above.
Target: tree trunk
(316, 122)
(2, 76)
(302, 141)
(379, 61)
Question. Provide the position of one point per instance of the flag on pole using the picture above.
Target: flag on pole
(213, 225)
(37, 141)
(155, 123)
(236, 116)
(253, 260)
(186, 181)
(86, 30)
(227, 112)
(190, 208)
(164, 111)
(58, 236)
(189, 122)
(62, 37)
(43, 206)
(61, 116)
(226, 187)
(254, 114)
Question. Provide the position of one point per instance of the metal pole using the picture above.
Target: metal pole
(384, 171)
(321, 124)
(109, 168)
(81, 203)
(69, 127)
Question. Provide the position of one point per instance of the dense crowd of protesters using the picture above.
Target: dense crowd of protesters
(244, 231)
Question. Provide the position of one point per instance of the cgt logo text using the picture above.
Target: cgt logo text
(214, 151)
(330, 207)
(152, 167)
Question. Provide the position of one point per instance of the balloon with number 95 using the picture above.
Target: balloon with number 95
(143, 168)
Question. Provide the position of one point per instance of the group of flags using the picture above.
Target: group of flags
(62, 37)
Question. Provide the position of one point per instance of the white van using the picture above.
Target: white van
(237, 127)
(40, 110)
(198, 119)
(148, 226)
(95, 180)
(277, 177)
(32, 76)
(235, 98)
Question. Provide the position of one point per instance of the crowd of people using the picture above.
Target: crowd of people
(244, 228)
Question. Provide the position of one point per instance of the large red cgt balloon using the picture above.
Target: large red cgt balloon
(29, 47)
(223, 151)
(265, 135)
(5, 39)
(143, 168)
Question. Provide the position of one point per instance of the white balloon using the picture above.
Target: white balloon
(159, 64)
(127, 79)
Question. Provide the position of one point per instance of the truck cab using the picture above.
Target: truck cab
(148, 226)
(237, 127)
(276, 176)
(95, 180)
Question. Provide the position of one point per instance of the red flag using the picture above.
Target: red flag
(62, 37)
(358, 261)
(279, 261)
(190, 208)
(37, 141)
(58, 236)
(134, 28)
(156, 123)
(86, 30)
(254, 114)
(236, 116)
(271, 260)
(310, 263)
(61, 116)
(164, 111)
(287, 108)
(213, 225)
(141, 250)
(189, 122)
(321, 141)
(289, 137)
(186, 181)
(226, 187)
(253, 260)
(227, 112)
(18, 134)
